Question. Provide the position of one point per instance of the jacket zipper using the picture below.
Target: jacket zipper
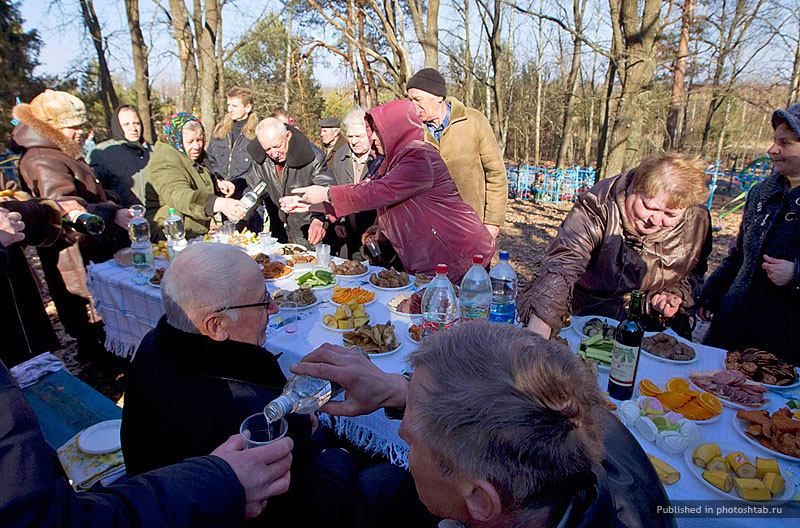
(230, 153)
(433, 230)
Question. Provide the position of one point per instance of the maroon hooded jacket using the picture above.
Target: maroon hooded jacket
(419, 208)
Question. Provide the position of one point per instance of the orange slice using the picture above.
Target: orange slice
(678, 385)
(672, 399)
(710, 402)
(648, 388)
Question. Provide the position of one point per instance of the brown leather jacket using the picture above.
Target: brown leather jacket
(53, 167)
(597, 259)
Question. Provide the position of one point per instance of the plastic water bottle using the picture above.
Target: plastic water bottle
(301, 395)
(504, 291)
(476, 292)
(141, 250)
(439, 304)
(176, 236)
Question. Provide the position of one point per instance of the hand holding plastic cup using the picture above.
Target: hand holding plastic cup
(323, 254)
(372, 246)
(257, 431)
(288, 310)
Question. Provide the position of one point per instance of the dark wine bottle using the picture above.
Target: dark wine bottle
(86, 223)
(625, 355)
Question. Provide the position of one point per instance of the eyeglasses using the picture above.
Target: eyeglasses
(264, 304)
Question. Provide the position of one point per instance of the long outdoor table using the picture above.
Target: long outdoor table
(130, 311)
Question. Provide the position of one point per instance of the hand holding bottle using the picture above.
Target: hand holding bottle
(123, 218)
(11, 226)
(233, 209)
(667, 304)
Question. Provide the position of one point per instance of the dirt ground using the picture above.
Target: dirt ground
(526, 235)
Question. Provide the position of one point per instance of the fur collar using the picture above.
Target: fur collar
(224, 127)
(46, 132)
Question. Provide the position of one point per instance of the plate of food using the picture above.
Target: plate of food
(589, 325)
(758, 365)
(350, 269)
(260, 258)
(302, 296)
(319, 279)
(668, 430)
(409, 304)
(668, 349)
(348, 316)
(359, 295)
(158, 276)
(420, 280)
(291, 249)
(738, 474)
(377, 341)
(272, 271)
(389, 280)
(415, 333)
(769, 431)
(298, 261)
(598, 349)
(732, 388)
(677, 396)
(243, 239)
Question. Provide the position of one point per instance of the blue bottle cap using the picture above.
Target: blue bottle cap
(504, 255)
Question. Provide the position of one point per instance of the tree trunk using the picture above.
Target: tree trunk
(469, 76)
(107, 94)
(794, 85)
(602, 140)
(677, 102)
(207, 41)
(572, 83)
(721, 139)
(141, 70)
(182, 33)
(537, 143)
(288, 63)
(427, 32)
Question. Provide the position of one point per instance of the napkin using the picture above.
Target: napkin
(85, 470)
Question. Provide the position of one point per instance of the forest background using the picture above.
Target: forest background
(599, 83)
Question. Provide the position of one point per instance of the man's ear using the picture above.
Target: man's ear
(482, 500)
(248, 109)
(214, 327)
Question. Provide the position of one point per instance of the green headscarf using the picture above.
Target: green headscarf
(173, 129)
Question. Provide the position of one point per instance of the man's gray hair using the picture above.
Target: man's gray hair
(354, 117)
(271, 126)
(506, 406)
(203, 278)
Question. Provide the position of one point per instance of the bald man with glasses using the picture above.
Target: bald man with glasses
(203, 369)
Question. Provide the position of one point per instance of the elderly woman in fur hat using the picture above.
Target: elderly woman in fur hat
(52, 166)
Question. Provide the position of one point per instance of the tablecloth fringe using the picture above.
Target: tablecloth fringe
(118, 348)
(367, 440)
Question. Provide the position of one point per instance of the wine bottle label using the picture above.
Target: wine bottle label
(73, 215)
(623, 364)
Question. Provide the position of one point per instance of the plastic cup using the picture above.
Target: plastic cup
(288, 311)
(257, 431)
(372, 246)
(266, 241)
(323, 255)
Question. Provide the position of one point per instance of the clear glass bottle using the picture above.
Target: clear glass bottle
(141, 250)
(251, 198)
(476, 292)
(439, 304)
(504, 291)
(625, 354)
(301, 395)
(174, 231)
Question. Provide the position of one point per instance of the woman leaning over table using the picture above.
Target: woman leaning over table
(177, 178)
(754, 295)
(640, 230)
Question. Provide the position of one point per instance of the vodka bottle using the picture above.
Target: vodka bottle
(174, 231)
(86, 223)
(301, 395)
(504, 291)
(625, 354)
(141, 250)
(439, 304)
(476, 292)
(252, 198)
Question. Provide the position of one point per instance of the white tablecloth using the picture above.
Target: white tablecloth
(130, 311)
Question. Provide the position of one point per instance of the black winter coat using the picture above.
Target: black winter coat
(228, 157)
(188, 393)
(749, 310)
(34, 492)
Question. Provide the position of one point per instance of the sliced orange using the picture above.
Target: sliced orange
(678, 385)
(672, 399)
(648, 388)
(710, 402)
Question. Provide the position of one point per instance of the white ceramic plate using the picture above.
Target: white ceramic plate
(288, 275)
(307, 307)
(672, 361)
(697, 472)
(389, 353)
(408, 331)
(728, 403)
(775, 388)
(304, 250)
(396, 300)
(154, 285)
(365, 304)
(740, 426)
(101, 438)
(579, 321)
(323, 325)
(410, 282)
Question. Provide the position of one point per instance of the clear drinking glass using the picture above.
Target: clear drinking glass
(373, 247)
(323, 255)
(288, 311)
(257, 431)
